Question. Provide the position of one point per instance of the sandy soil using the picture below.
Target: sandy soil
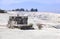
(6, 33)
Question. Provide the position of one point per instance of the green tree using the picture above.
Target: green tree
(22, 9)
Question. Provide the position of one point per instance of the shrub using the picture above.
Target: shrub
(39, 26)
(3, 11)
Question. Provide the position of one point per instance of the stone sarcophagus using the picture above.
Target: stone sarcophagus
(19, 22)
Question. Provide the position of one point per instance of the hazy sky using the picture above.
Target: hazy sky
(41, 5)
